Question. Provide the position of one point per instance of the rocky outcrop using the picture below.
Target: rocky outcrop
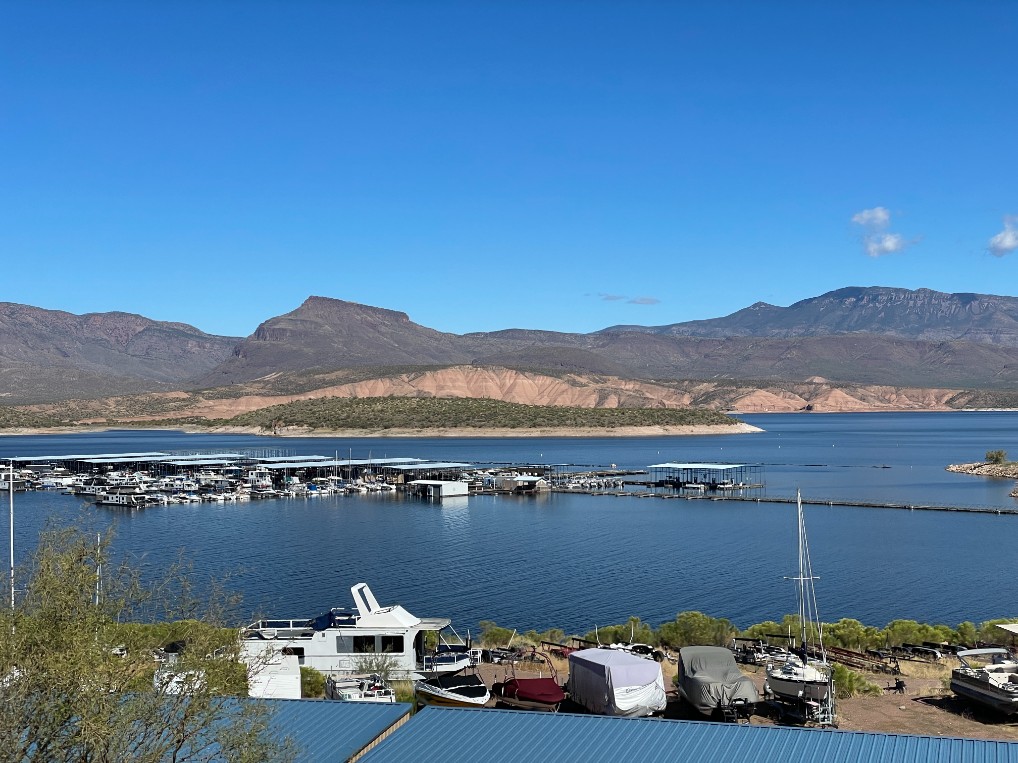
(531, 388)
(1008, 470)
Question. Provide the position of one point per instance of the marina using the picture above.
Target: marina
(467, 547)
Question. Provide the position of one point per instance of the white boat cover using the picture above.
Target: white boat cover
(610, 682)
(709, 679)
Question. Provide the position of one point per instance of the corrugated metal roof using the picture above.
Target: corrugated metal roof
(455, 734)
(328, 731)
(82, 456)
(718, 467)
(427, 465)
(204, 462)
(301, 465)
(201, 456)
(281, 459)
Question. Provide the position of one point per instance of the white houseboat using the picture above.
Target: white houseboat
(345, 641)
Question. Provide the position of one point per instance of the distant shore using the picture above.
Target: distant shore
(493, 432)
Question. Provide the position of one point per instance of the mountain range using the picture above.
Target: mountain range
(894, 338)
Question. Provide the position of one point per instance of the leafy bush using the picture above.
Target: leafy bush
(848, 683)
(493, 635)
(633, 630)
(312, 683)
(996, 456)
(696, 629)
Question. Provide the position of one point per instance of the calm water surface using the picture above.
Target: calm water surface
(574, 561)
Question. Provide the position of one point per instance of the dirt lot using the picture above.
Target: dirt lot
(926, 707)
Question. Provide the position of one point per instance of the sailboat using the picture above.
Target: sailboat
(805, 678)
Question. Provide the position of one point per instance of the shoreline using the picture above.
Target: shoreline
(450, 432)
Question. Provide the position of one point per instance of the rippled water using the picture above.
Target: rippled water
(573, 561)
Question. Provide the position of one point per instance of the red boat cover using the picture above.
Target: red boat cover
(534, 690)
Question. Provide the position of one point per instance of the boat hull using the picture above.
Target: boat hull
(538, 694)
(983, 693)
(799, 688)
(452, 691)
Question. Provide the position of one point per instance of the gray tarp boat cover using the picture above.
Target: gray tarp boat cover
(709, 678)
(610, 682)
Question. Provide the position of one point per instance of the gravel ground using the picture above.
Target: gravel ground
(926, 707)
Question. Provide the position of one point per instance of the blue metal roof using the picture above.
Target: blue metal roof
(327, 731)
(455, 734)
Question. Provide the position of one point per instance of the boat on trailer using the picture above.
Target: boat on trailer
(530, 692)
(346, 641)
(468, 690)
(992, 681)
(804, 680)
(371, 688)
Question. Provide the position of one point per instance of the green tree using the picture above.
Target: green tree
(989, 632)
(967, 633)
(493, 635)
(852, 634)
(696, 629)
(78, 672)
(633, 630)
(996, 456)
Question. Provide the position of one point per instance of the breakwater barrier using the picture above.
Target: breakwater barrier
(791, 500)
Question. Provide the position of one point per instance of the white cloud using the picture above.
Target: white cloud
(644, 301)
(878, 217)
(1006, 241)
(878, 244)
(877, 240)
(611, 297)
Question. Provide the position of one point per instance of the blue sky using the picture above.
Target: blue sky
(482, 165)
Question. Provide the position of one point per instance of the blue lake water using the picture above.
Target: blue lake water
(575, 561)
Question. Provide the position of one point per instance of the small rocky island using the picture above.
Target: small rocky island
(1003, 470)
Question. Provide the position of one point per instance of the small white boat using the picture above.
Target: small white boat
(453, 691)
(370, 688)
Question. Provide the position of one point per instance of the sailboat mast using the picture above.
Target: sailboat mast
(803, 615)
(10, 485)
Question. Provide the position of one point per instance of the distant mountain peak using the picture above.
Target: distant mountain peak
(330, 307)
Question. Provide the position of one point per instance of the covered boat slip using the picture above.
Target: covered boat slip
(611, 682)
(708, 476)
(710, 681)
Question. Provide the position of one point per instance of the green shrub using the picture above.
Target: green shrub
(696, 629)
(848, 683)
(996, 456)
(312, 683)
(493, 635)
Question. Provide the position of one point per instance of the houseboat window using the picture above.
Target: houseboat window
(363, 644)
(392, 644)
